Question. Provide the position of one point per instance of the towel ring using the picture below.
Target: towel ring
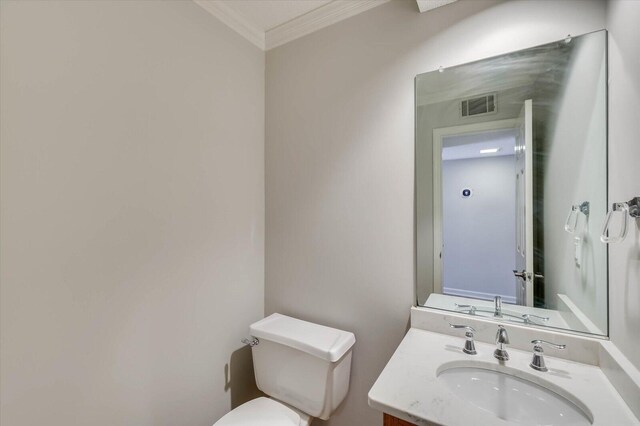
(628, 209)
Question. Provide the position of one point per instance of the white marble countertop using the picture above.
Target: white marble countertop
(408, 387)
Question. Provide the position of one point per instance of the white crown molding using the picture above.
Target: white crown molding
(321, 17)
(234, 20)
(425, 5)
(300, 26)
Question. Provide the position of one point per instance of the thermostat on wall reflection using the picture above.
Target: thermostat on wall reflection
(466, 193)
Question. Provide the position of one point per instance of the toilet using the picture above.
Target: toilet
(304, 369)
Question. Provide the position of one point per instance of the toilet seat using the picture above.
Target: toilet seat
(264, 412)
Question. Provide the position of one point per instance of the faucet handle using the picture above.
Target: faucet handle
(537, 363)
(528, 318)
(472, 309)
(466, 327)
(539, 343)
(469, 344)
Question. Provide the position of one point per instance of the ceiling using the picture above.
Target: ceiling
(271, 23)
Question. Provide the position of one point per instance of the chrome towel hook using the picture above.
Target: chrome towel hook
(628, 209)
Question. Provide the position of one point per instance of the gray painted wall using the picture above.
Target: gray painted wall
(340, 161)
(132, 182)
(624, 151)
(479, 232)
(176, 234)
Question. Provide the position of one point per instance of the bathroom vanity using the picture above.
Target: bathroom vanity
(390, 420)
(430, 380)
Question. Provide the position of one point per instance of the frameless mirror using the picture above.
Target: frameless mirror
(511, 186)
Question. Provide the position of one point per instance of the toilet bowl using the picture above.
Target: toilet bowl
(302, 367)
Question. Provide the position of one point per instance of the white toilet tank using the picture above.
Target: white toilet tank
(302, 364)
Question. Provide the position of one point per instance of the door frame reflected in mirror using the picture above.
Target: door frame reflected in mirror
(439, 134)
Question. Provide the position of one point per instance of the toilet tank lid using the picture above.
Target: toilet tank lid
(323, 342)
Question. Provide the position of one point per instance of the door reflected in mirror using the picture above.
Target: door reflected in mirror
(511, 186)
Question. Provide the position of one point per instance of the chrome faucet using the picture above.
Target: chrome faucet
(502, 339)
(469, 344)
(537, 363)
(497, 312)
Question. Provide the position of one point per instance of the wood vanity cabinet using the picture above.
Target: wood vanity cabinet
(394, 421)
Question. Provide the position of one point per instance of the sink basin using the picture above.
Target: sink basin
(512, 398)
